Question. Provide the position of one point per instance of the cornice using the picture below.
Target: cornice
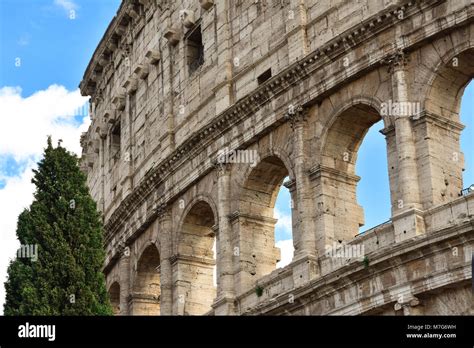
(101, 62)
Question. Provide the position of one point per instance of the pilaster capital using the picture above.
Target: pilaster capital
(221, 166)
(297, 115)
(408, 301)
(123, 250)
(163, 213)
(396, 61)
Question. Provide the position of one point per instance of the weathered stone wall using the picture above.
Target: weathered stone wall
(159, 125)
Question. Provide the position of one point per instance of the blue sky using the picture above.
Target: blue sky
(45, 47)
(53, 47)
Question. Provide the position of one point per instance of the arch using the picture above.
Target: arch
(114, 295)
(265, 178)
(371, 102)
(338, 212)
(194, 268)
(440, 127)
(342, 120)
(206, 198)
(255, 220)
(445, 87)
(146, 291)
(277, 152)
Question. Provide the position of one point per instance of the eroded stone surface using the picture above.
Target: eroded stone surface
(293, 86)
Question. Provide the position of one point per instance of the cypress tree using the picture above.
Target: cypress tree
(63, 228)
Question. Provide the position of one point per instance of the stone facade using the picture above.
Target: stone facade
(289, 89)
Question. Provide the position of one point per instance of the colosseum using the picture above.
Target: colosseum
(201, 110)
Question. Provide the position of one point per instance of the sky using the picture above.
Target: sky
(45, 47)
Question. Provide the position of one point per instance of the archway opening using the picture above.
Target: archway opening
(339, 213)
(284, 227)
(196, 285)
(114, 295)
(147, 286)
(373, 189)
(259, 254)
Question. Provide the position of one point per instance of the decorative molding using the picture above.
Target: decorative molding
(339, 45)
(328, 172)
(131, 84)
(119, 101)
(252, 217)
(396, 61)
(142, 71)
(173, 35)
(440, 121)
(297, 116)
(153, 56)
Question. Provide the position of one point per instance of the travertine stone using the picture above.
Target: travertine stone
(186, 153)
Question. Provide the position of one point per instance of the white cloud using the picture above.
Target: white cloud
(68, 5)
(26, 123)
(284, 222)
(286, 248)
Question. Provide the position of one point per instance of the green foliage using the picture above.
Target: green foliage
(63, 222)
(366, 262)
(259, 290)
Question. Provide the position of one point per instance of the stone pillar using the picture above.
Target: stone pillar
(257, 255)
(305, 241)
(124, 269)
(407, 219)
(127, 140)
(441, 161)
(166, 277)
(102, 142)
(338, 215)
(296, 22)
(225, 61)
(224, 304)
(304, 234)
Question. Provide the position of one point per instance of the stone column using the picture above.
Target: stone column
(225, 61)
(127, 140)
(296, 25)
(224, 304)
(124, 269)
(304, 238)
(440, 159)
(304, 234)
(165, 233)
(408, 220)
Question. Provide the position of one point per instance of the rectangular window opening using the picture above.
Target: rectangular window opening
(265, 76)
(194, 49)
(115, 142)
